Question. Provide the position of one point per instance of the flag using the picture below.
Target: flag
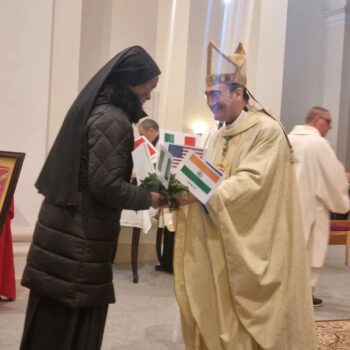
(151, 149)
(200, 176)
(179, 152)
(179, 138)
(169, 137)
(163, 166)
(190, 141)
(143, 165)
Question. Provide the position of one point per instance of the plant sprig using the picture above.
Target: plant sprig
(153, 184)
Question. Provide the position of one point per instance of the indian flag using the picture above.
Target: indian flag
(200, 176)
(180, 138)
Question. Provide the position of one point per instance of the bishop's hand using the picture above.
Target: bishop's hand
(184, 199)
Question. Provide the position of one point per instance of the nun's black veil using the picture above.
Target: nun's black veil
(59, 177)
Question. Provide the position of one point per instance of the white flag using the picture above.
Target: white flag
(163, 167)
(151, 149)
(143, 165)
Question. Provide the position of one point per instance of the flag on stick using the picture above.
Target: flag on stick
(163, 166)
(143, 165)
(179, 152)
(200, 176)
(151, 149)
(179, 138)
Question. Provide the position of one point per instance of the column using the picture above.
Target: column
(270, 54)
(336, 92)
(171, 55)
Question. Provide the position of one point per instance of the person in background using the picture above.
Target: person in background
(240, 268)
(85, 184)
(149, 128)
(322, 183)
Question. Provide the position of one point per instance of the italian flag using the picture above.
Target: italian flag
(180, 138)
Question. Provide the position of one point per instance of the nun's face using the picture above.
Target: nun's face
(143, 91)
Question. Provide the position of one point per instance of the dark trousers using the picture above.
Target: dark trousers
(166, 258)
(50, 325)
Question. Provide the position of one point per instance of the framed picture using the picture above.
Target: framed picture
(10, 167)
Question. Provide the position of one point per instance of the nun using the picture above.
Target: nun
(85, 184)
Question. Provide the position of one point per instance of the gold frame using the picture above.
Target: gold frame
(10, 168)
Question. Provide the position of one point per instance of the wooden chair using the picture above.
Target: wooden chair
(135, 249)
(130, 218)
(340, 235)
(135, 253)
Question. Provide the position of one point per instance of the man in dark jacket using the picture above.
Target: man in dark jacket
(85, 184)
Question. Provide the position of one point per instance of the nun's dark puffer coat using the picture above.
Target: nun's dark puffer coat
(70, 259)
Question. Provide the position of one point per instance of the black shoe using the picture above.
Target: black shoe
(159, 268)
(163, 269)
(316, 301)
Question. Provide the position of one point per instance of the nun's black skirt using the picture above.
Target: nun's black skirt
(50, 325)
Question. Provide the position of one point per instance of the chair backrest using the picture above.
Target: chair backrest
(340, 225)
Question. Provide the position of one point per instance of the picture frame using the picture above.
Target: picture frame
(10, 168)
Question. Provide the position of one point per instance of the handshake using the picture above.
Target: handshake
(171, 197)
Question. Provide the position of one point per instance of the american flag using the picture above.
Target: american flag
(179, 152)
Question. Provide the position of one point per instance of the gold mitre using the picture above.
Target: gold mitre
(223, 68)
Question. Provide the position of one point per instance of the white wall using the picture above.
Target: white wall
(333, 62)
(25, 47)
(65, 62)
(134, 22)
(270, 54)
(304, 60)
(316, 69)
(344, 110)
(172, 36)
(336, 91)
(95, 37)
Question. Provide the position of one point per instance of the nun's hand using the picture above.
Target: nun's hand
(157, 200)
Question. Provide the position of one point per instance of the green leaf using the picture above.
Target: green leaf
(153, 184)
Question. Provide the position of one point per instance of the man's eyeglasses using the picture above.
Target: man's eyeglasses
(215, 94)
(329, 121)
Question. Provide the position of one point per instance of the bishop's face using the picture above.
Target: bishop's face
(226, 105)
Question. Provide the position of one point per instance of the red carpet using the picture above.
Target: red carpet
(333, 335)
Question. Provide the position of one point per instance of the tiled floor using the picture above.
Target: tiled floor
(334, 287)
(145, 313)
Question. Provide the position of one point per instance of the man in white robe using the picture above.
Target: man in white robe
(241, 276)
(323, 185)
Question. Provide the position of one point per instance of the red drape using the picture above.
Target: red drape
(7, 268)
